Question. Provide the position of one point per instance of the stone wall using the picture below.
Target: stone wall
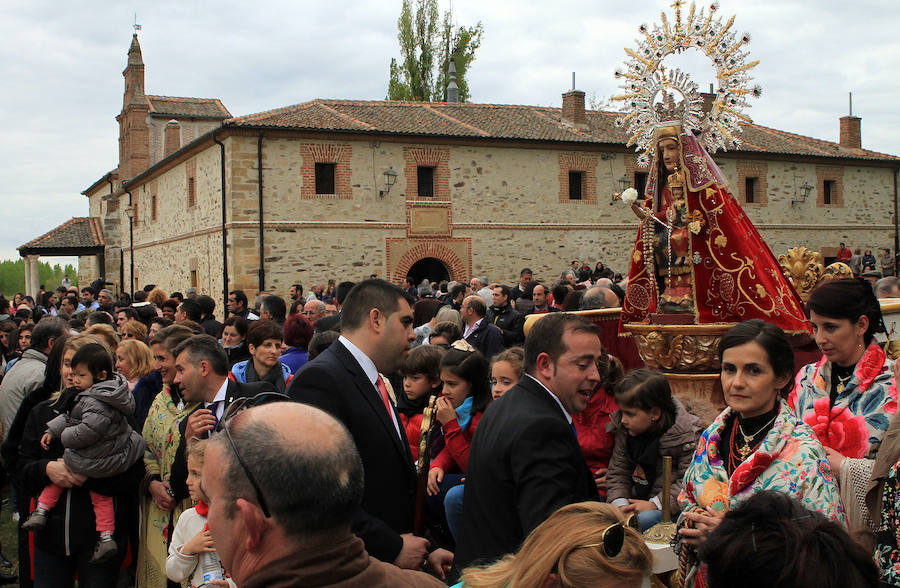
(504, 211)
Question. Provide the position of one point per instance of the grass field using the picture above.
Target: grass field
(8, 532)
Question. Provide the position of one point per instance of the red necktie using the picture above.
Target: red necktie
(385, 397)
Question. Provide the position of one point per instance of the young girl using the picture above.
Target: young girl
(507, 368)
(98, 438)
(464, 374)
(191, 540)
(421, 380)
(650, 424)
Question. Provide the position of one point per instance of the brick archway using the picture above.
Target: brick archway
(416, 250)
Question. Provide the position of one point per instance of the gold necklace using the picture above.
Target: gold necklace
(842, 382)
(745, 449)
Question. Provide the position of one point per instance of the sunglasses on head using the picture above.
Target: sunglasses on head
(236, 407)
(613, 537)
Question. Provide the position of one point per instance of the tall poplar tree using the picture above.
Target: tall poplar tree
(426, 45)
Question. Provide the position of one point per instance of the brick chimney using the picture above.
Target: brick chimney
(851, 135)
(173, 137)
(573, 107)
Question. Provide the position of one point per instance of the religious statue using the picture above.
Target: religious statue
(697, 255)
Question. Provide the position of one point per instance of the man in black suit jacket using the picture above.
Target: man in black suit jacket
(525, 461)
(478, 331)
(201, 372)
(344, 380)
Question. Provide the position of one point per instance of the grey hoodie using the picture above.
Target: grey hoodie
(99, 441)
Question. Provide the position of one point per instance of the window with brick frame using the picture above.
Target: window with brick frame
(828, 191)
(750, 187)
(640, 182)
(325, 178)
(576, 185)
(425, 180)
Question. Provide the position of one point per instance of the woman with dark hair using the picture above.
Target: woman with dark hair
(234, 332)
(773, 541)
(848, 396)
(756, 444)
(869, 263)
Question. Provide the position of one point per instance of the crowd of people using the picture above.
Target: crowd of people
(366, 434)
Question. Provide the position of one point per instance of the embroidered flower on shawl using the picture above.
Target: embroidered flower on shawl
(825, 471)
(701, 449)
(838, 428)
(870, 366)
(793, 486)
(714, 495)
(712, 450)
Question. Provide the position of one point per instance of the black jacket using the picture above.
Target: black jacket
(335, 382)
(486, 338)
(70, 524)
(235, 390)
(511, 323)
(524, 464)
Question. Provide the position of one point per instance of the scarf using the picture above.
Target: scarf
(274, 376)
(643, 451)
(464, 413)
(408, 407)
(202, 509)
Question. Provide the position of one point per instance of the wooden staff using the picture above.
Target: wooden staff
(423, 465)
(667, 489)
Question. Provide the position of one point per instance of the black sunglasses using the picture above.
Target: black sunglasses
(236, 407)
(613, 537)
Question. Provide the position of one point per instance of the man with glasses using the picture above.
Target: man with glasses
(283, 482)
(313, 311)
(525, 461)
(346, 381)
(201, 372)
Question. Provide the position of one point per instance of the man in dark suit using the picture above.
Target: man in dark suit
(525, 461)
(345, 380)
(201, 372)
(478, 331)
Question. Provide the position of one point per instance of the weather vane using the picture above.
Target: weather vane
(136, 26)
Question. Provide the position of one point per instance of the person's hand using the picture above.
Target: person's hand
(160, 495)
(638, 506)
(60, 474)
(445, 411)
(600, 479)
(200, 543)
(412, 554)
(704, 522)
(200, 421)
(439, 563)
(435, 477)
(46, 438)
(835, 458)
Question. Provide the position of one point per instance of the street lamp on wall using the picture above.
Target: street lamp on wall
(802, 193)
(390, 176)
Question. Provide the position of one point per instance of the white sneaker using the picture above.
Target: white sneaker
(15, 517)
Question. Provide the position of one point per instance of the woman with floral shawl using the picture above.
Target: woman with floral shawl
(755, 444)
(162, 436)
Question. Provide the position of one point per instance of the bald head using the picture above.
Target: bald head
(304, 461)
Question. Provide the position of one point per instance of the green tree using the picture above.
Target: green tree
(12, 276)
(426, 46)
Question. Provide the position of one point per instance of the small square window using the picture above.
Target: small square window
(828, 191)
(750, 190)
(640, 183)
(575, 185)
(426, 180)
(325, 178)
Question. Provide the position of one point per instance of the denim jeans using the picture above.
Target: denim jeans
(649, 518)
(453, 507)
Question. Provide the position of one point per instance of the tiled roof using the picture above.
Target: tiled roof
(512, 122)
(81, 231)
(187, 107)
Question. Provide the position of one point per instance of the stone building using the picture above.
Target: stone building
(345, 189)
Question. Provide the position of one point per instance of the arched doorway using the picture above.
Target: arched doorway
(431, 268)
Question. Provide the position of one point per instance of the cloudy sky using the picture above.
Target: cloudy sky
(62, 64)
